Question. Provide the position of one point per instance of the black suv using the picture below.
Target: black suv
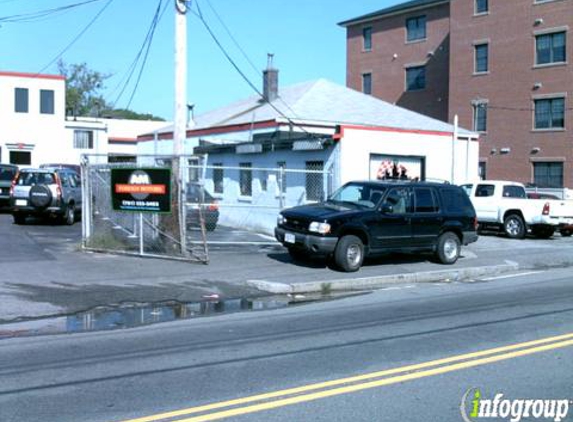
(370, 218)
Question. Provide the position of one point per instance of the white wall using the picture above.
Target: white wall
(357, 145)
(41, 134)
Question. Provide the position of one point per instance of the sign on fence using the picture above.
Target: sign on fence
(141, 189)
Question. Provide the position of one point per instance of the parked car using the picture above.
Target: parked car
(371, 218)
(505, 205)
(46, 192)
(73, 167)
(7, 174)
(201, 203)
(537, 195)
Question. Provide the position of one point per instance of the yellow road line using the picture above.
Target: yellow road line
(545, 344)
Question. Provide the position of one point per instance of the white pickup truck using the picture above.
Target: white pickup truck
(501, 204)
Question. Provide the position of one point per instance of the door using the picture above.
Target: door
(484, 202)
(391, 229)
(426, 218)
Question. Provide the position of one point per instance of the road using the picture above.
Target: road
(136, 374)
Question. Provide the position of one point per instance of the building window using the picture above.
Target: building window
(46, 101)
(415, 78)
(548, 175)
(282, 176)
(550, 48)
(314, 180)
(550, 113)
(481, 6)
(481, 53)
(83, 139)
(367, 83)
(367, 38)
(246, 179)
(416, 28)
(218, 177)
(482, 170)
(21, 157)
(480, 117)
(21, 100)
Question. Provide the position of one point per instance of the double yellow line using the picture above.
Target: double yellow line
(276, 399)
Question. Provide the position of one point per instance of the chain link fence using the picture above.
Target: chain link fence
(178, 233)
(211, 204)
(248, 199)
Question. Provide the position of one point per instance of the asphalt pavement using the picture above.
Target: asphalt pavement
(44, 272)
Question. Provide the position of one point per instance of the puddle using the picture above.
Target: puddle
(137, 315)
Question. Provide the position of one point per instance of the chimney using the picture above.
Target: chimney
(270, 80)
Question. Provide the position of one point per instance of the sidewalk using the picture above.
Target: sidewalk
(68, 280)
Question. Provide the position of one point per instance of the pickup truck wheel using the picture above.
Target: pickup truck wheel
(566, 232)
(349, 253)
(543, 232)
(449, 248)
(514, 226)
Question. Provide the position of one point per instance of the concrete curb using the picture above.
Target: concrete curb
(368, 283)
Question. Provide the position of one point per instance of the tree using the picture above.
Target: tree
(83, 87)
(83, 94)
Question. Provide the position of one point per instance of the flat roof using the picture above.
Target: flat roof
(32, 75)
(399, 8)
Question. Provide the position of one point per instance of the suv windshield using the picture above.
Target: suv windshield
(358, 194)
(7, 173)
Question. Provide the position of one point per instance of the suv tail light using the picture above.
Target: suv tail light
(546, 209)
(13, 184)
(213, 206)
(59, 186)
(476, 223)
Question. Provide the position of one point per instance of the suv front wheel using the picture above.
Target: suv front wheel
(349, 253)
(448, 250)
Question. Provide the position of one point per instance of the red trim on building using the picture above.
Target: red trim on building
(123, 140)
(340, 135)
(33, 75)
(215, 130)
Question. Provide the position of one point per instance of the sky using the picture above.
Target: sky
(303, 35)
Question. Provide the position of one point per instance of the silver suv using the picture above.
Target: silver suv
(46, 192)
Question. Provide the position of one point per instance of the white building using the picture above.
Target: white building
(34, 128)
(32, 113)
(318, 126)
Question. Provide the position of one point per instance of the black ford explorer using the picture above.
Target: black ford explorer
(370, 218)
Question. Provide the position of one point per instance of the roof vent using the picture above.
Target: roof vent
(270, 80)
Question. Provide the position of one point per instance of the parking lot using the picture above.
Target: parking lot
(45, 272)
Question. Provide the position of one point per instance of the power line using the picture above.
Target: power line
(238, 69)
(144, 47)
(33, 16)
(80, 34)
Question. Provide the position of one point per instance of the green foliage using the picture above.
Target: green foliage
(83, 87)
(84, 98)
(122, 113)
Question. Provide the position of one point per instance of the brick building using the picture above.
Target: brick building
(500, 65)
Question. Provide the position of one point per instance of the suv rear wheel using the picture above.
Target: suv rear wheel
(69, 216)
(349, 253)
(19, 218)
(448, 250)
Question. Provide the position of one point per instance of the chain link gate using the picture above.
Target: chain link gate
(177, 234)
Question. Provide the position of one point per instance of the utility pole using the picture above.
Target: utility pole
(180, 115)
(180, 118)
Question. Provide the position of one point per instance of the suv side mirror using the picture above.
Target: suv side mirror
(387, 209)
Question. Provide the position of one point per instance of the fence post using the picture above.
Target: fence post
(280, 183)
(141, 250)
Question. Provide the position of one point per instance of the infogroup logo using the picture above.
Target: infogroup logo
(475, 407)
